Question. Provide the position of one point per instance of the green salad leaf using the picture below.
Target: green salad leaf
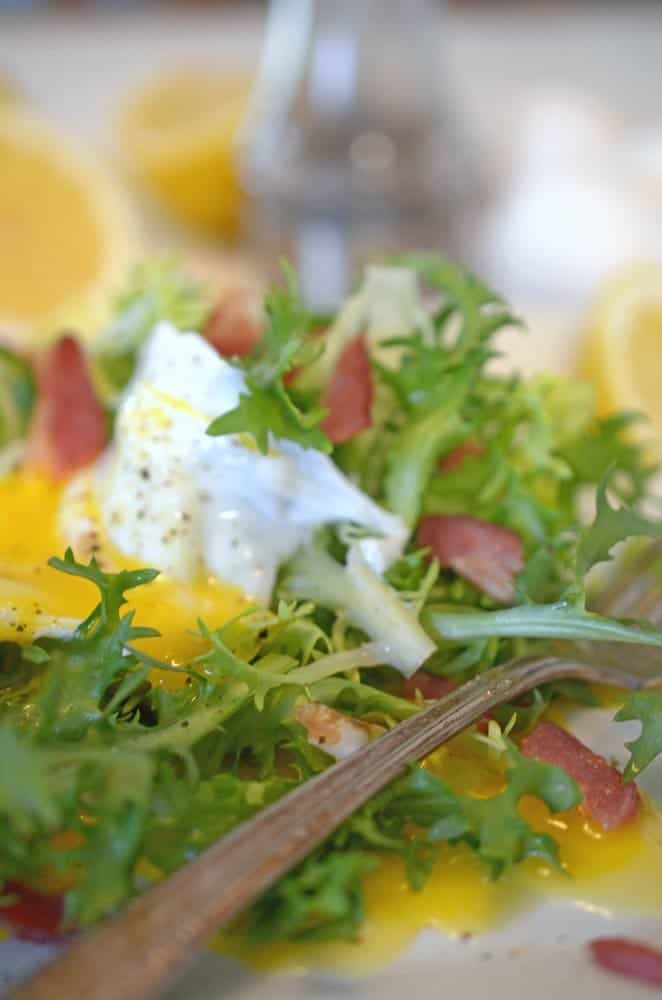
(322, 900)
(566, 618)
(17, 401)
(267, 408)
(644, 707)
(434, 379)
(156, 291)
(611, 526)
(412, 818)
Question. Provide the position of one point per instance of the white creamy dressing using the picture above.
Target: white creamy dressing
(173, 497)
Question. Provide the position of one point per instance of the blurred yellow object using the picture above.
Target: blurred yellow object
(9, 95)
(67, 232)
(623, 350)
(179, 135)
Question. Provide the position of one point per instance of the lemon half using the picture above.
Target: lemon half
(623, 349)
(179, 137)
(68, 233)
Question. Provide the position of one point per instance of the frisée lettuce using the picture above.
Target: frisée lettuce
(110, 778)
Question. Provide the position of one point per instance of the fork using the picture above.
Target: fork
(134, 955)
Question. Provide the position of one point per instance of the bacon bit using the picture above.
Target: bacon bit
(337, 734)
(322, 723)
(234, 326)
(33, 916)
(429, 685)
(348, 396)
(455, 458)
(69, 428)
(488, 555)
(628, 958)
(608, 799)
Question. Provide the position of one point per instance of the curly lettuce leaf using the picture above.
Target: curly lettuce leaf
(434, 378)
(73, 683)
(610, 526)
(17, 397)
(366, 601)
(644, 707)
(266, 408)
(322, 898)
(156, 291)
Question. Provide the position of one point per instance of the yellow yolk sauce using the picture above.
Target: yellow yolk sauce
(610, 870)
(30, 588)
(599, 869)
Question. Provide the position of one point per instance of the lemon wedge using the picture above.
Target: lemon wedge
(67, 231)
(623, 348)
(179, 137)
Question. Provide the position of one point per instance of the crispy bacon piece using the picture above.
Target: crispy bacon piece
(628, 958)
(488, 555)
(33, 916)
(455, 458)
(430, 686)
(337, 734)
(348, 396)
(234, 326)
(608, 799)
(69, 427)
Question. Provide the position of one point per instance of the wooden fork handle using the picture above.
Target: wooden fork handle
(136, 953)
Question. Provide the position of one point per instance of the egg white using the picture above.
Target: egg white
(168, 495)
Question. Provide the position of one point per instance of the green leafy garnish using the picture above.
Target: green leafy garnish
(83, 679)
(266, 408)
(322, 898)
(365, 600)
(567, 618)
(17, 400)
(644, 707)
(611, 526)
(156, 291)
(538, 621)
(434, 379)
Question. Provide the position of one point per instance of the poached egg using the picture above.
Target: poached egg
(214, 515)
(169, 495)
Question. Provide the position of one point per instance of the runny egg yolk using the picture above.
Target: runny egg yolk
(30, 589)
(609, 870)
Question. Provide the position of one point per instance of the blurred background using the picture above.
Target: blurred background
(522, 138)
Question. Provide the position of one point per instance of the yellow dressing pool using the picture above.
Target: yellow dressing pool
(597, 869)
(29, 537)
